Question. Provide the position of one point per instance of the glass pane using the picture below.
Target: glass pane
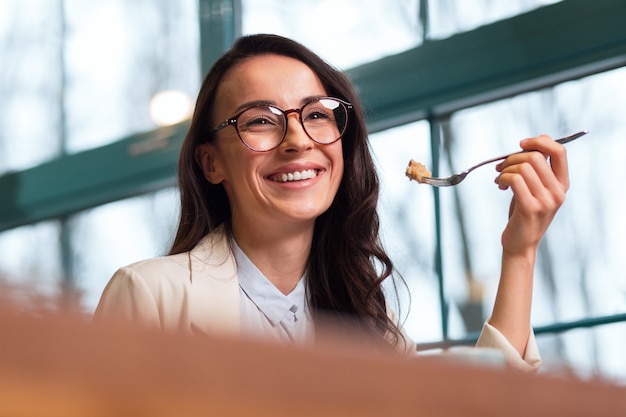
(79, 74)
(345, 33)
(119, 54)
(111, 236)
(586, 352)
(31, 259)
(447, 17)
(581, 260)
(30, 83)
(407, 226)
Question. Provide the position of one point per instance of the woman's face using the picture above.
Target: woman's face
(251, 179)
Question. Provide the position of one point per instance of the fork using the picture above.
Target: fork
(457, 178)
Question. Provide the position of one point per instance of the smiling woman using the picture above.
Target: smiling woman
(279, 226)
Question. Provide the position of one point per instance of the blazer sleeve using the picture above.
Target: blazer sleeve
(127, 299)
(490, 337)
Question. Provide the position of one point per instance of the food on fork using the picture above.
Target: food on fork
(417, 171)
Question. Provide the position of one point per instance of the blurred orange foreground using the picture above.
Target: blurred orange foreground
(64, 366)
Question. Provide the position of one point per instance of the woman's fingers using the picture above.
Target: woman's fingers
(532, 178)
(553, 151)
(539, 179)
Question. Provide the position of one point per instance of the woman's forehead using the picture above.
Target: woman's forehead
(283, 80)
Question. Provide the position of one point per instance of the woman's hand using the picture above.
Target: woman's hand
(539, 181)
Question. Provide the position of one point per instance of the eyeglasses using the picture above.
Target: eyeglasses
(263, 127)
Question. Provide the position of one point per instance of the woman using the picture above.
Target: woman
(278, 223)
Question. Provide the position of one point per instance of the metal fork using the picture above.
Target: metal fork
(457, 178)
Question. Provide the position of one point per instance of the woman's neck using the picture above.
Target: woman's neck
(281, 254)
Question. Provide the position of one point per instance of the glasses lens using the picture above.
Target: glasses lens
(261, 127)
(325, 120)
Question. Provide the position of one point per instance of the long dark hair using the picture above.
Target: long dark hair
(347, 264)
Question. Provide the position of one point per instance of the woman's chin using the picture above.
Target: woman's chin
(304, 212)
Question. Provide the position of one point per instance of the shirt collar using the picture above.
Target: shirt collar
(269, 300)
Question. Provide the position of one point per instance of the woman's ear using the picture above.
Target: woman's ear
(206, 157)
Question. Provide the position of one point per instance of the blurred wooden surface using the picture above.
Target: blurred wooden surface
(68, 367)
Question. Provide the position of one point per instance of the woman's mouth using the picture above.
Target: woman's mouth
(295, 176)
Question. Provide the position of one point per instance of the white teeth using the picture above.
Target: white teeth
(296, 176)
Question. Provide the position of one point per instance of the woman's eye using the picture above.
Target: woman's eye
(259, 121)
(317, 115)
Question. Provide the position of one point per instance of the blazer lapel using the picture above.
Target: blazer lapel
(214, 303)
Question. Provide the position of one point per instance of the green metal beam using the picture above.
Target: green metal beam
(220, 24)
(138, 164)
(553, 43)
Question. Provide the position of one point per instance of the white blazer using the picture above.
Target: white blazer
(198, 292)
(195, 290)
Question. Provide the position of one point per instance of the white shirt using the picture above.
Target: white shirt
(266, 312)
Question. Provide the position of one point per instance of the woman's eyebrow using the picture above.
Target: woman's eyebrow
(311, 98)
(254, 103)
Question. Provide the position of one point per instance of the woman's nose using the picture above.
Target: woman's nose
(296, 139)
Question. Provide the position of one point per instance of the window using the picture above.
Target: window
(448, 17)
(345, 33)
(77, 75)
